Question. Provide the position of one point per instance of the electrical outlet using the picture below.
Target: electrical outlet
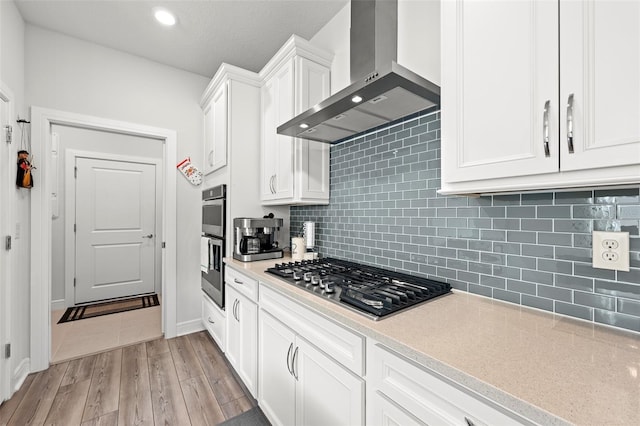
(611, 250)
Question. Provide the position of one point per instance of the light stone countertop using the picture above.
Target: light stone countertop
(535, 363)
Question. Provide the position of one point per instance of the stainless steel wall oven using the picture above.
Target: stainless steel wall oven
(213, 242)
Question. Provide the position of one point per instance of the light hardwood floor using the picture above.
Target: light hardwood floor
(181, 381)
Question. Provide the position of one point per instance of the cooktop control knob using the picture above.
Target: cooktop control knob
(315, 280)
(296, 276)
(329, 287)
(307, 276)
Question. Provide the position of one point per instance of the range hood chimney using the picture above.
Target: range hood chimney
(381, 91)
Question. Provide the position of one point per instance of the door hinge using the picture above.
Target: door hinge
(7, 350)
(8, 133)
(75, 172)
(164, 245)
(74, 281)
(7, 242)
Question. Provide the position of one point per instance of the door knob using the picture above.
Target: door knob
(148, 236)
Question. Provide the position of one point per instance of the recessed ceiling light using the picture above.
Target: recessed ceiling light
(356, 99)
(164, 17)
(304, 125)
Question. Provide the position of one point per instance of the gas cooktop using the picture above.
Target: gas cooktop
(368, 290)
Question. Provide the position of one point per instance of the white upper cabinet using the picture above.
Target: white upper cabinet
(508, 72)
(215, 130)
(600, 45)
(293, 171)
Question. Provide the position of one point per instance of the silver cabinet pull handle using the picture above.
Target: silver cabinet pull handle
(148, 236)
(210, 158)
(545, 129)
(274, 184)
(235, 306)
(570, 123)
(210, 320)
(288, 359)
(237, 310)
(293, 362)
(237, 281)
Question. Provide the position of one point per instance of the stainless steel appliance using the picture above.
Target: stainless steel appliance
(381, 90)
(213, 242)
(256, 239)
(370, 291)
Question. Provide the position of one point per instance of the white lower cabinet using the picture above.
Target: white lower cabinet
(242, 336)
(300, 385)
(402, 392)
(214, 321)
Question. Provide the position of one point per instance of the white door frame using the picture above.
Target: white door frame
(6, 271)
(42, 120)
(70, 202)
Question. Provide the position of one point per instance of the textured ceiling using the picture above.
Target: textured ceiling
(245, 33)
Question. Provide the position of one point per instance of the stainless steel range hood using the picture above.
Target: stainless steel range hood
(381, 90)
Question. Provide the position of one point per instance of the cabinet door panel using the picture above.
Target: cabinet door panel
(500, 62)
(247, 313)
(233, 327)
(269, 153)
(313, 86)
(277, 385)
(326, 393)
(283, 146)
(215, 131)
(600, 66)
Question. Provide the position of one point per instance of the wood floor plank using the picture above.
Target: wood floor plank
(218, 373)
(168, 403)
(79, 370)
(135, 391)
(184, 358)
(35, 405)
(202, 405)
(157, 347)
(109, 419)
(105, 385)
(9, 407)
(236, 407)
(68, 405)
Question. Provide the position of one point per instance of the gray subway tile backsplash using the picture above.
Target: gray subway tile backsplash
(532, 249)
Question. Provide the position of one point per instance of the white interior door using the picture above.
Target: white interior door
(115, 229)
(7, 165)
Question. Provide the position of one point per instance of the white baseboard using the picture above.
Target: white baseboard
(57, 305)
(19, 374)
(189, 327)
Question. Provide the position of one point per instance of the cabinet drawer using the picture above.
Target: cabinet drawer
(214, 321)
(242, 283)
(428, 396)
(343, 345)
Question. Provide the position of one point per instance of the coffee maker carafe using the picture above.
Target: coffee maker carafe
(256, 239)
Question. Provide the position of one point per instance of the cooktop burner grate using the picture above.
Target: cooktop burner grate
(372, 291)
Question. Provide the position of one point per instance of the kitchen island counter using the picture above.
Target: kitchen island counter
(543, 366)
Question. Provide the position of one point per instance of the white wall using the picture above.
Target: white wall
(72, 75)
(92, 141)
(12, 45)
(334, 37)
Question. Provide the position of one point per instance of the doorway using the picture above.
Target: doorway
(43, 121)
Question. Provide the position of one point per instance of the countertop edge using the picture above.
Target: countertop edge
(461, 379)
